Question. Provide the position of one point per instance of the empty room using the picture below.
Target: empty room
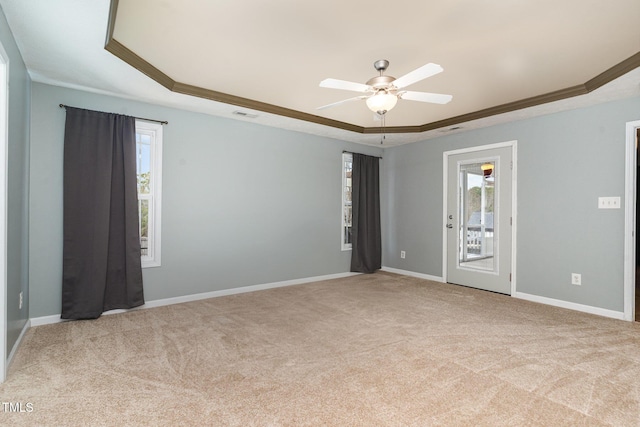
(319, 213)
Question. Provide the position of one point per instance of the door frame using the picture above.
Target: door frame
(514, 222)
(630, 183)
(4, 144)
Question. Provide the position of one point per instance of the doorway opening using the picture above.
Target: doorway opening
(631, 251)
(637, 266)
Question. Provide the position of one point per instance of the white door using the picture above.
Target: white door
(479, 218)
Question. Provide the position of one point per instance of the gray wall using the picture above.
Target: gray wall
(565, 162)
(245, 204)
(242, 204)
(17, 186)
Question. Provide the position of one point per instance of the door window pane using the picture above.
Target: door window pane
(476, 227)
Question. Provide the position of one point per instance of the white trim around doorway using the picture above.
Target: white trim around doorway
(630, 221)
(4, 142)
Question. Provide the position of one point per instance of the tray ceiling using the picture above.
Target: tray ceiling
(502, 60)
(271, 56)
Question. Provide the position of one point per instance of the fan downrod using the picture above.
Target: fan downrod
(381, 65)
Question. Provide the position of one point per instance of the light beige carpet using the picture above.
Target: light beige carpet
(369, 350)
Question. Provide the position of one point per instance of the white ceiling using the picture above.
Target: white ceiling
(493, 52)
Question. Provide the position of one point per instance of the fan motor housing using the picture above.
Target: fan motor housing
(381, 82)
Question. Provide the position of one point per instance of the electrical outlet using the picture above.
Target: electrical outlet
(20, 302)
(403, 254)
(576, 279)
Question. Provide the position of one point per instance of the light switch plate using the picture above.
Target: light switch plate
(608, 202)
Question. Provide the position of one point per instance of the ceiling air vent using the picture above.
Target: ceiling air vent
(451, 129)
(244, 114)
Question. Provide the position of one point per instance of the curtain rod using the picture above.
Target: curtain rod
(162, 122)
(351, 152)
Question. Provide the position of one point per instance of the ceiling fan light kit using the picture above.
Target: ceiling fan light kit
(381, 102)
(385, 90)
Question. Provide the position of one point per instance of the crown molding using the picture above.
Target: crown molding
(139, 63)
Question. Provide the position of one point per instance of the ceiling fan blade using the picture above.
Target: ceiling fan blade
(435, 98)
(417, 75)
(342, 102)
(344, 85)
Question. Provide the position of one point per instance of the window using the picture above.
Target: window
(149, 171)
(347, 167)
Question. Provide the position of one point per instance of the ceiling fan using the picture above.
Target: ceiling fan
(384, 91)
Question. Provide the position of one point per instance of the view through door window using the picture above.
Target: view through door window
(477, 193)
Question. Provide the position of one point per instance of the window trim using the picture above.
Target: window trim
(345, 157)
(155, 194)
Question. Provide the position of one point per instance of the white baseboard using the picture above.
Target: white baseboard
(534, 298)
(24, 330)
(413, 274)
(46, 320)
(571, 305)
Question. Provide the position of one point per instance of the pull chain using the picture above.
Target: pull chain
(384, 134)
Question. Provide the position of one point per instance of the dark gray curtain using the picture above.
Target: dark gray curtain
(101, 254)
(366, 253)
